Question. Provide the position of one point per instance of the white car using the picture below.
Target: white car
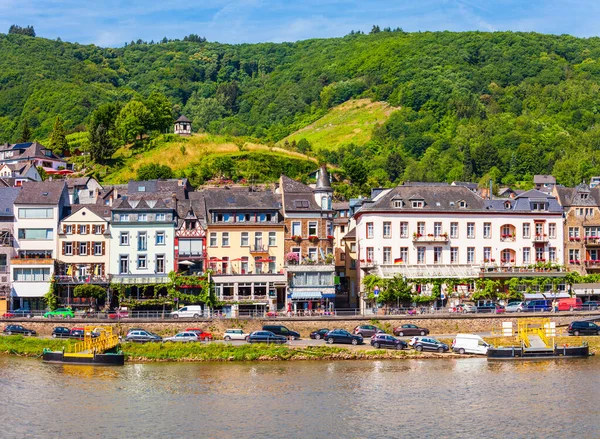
(413, 340)
(184, 337)
(235, 334)
(515, 307)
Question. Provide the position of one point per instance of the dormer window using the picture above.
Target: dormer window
(584, 196)
(398, 203)
(141, 188)
(418, 204)
(301, 204)
(539, 206)
(507, 205)
(462, 204)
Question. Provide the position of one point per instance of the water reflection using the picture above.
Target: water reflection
(467, 398)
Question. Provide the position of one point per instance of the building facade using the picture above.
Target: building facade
(7, 243)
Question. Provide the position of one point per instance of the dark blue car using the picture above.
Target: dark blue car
(319, 333)
(266, 337)
(343, 336)
(387, 341)
(538, 306)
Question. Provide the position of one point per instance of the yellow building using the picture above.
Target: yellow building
(245, 249)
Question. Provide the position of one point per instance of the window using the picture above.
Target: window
(160, 263)
(272, 239)
(36, 213)
(123, 264)
(487, 254)
(437, 255)
(160, 238)
(97, 229)
(404, 255)
(142, 242)
(526, 230)
(387, 255)
(244, 239)
(160, 217)
(97, 248)
(69, 229)
(404, 229)
(539, 254)
(370, 254)
(470, 255)
(370, 231)
(323, 203)
(312, 253)
(453, 230)
(312, 228)
(454, 255)
(31, 274)
(244, 265)
(296, 229)
(552, 230)
(83, 229)
(142, 262)
(191, 247)
(387, 229)
(539, 229)
(462, 204)
(225, 239)
(590, 232)
(124, 217)
(552, 254)
(437, 229)
(420, 255)
(297, 250)
(573, 232)
(273, 264)
(213, 239)
(36, 234)
(342, 229)
(68, 248)
(487, 230)
(471, 230)
(418, 204)
(143, 217)
(539, 206)
(83, 248)
(574, 256)
(526, 255)
(421, 228)
(398, 203)
(124, 238)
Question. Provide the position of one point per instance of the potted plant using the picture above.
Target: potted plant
(330, 237)
(297, 238)
(292, 258)
(313, 238)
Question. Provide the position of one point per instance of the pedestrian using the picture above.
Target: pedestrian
(554, 306)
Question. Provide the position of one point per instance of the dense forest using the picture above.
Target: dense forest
(471, 105)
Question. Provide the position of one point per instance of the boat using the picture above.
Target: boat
(98, 347)
(536, 339)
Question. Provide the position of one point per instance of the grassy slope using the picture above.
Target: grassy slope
(170, 153)
(350, 122)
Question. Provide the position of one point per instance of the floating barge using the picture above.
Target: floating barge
(99, 347)
(537, 342)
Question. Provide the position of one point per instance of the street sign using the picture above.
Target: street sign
(376, 291)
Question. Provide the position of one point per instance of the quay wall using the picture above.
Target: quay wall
(447, 324)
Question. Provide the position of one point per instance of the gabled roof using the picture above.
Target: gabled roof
(182, 118)
(8, 195)
(289, 185)
(77, 182)
(41, 192)
(240, 199)
(544, 179)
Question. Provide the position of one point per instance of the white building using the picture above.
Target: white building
(442, 231)
(38, 210)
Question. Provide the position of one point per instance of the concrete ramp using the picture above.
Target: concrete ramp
(536, 342)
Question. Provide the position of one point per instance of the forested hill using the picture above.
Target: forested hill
(471, 104)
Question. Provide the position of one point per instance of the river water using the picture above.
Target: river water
(462, 398)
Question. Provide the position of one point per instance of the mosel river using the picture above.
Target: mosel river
(464, 398)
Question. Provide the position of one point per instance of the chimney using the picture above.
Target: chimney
(174, 200)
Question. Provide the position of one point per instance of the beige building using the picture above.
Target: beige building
(83, 251)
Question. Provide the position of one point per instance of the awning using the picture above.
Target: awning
(547, 296)
(306, 295)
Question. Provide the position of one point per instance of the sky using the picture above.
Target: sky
(114, 22)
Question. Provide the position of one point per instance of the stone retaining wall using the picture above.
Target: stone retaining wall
(436, 324)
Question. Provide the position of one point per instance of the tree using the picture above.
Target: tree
(25, 133)
(467, 164)
(101, 145)
(154, 171)
(161, 116)
(16, 29)
(356, 170)
(394, 166)
(203, 111)
(132, 121)
(58, 138)
(304, 146)
(375, 29)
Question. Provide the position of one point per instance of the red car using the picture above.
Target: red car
(118, 314)
(202, 335)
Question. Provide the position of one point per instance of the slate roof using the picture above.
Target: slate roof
(351, 234)
(544, 179)
(182, 118)
(195, 207)
(30, 150)
(342, 205)
(179, 187)
(323, 181)
(240, 199)
(297, 197)
(77, 182)
(467, 184)
(41, 192)
(8, 195)
(98, 209)
(569, 196)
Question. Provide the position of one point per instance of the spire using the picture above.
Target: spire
(323, 182)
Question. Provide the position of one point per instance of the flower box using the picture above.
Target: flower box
(297, 238)
(330, 237)
(313, 238)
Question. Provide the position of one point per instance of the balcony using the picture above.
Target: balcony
(540, 239)
(507, 237)
(31, 261)
(259, 249)
(511, 270)
(310, 265)
(592, 241)
(77, 280)
(129, 279)
(431, 238)
(191, 255)
(592, 263)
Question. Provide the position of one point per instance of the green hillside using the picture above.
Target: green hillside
(350, 122)
(473, 105)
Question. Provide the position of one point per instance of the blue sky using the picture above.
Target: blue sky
(112, 22)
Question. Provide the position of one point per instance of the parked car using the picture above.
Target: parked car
(515, 307)
(142, 336)
(65, 313)
(118, 314)
(590, 306)
(465, 308)
(190, 311)
(61, 332)
(469, 344)
(367, 330)
(430, 344)
(583, 328)
(183, 337)
(412, 341)
(490, 308)
(387, 341)
(266, 337)
(202, 334)
(570, 304)
(410, 329)
(282, 330)
(538, 306)
(77, 333)
(18, 329)
(319, 333)
(343, 336)
(235, 334)
(19, 312)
